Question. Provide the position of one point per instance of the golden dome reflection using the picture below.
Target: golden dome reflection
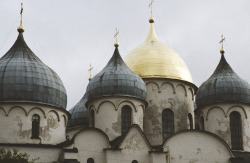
(153, 59)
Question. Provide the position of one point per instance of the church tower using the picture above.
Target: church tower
(116, 98)
(32, 103)
(170, 90)
(223, 106)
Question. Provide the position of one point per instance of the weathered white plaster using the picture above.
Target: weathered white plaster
(16, 120)
(90, 144)
(167, 94)
(197, 147)
(217, 121)
(108, 113)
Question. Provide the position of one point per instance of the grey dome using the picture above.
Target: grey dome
(223, 86)
(116, 79)
(25, 78)
(79, 114)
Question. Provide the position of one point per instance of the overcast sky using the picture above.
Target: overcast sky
(68, 35)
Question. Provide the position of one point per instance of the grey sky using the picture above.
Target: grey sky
(68, 35)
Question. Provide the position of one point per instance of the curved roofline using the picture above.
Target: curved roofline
(72, 140)
(115, 95)
(32, 102)
(201, 131)
(184, 81)
(198, 108)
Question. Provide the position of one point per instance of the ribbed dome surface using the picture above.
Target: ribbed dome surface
(25, 78)
(223, 86)
(153, 59)
(116, 79)
(79, 114)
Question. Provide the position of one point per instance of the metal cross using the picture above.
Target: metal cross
(116, 34)
(222, 40)
(151, 6)
(21, 13)
(90, 69)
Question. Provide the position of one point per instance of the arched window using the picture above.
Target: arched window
(189, 121)
(134, 161)
(202, 123)
(92, 118)
(126, 118)
(35, 126)
(167, 123)
(236, 133)
(90, 160)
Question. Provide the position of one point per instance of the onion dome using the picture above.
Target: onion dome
(25, 78)
(223, 86)
(79, 114)
(153, 59)
(116, 79)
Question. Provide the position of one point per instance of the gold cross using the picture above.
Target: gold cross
(151, 6)
(90, 69)
(222, 40)
(116, 34)
(21, 13)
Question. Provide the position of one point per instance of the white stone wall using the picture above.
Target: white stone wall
(217, 121)
(90, 144)
(197, 147)
(16, 124)
(163, 94)
(108, 113)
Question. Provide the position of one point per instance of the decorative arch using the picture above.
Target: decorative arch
(106, 101)
(242, 108)
(37, 108)
(215, 107)
(198, 131)
(57, 115)
(132, 105)
(3, 111)
(154, 83)
(181, 85)
(92, 129)
(192, 92)
(165, 83)
(17, 107)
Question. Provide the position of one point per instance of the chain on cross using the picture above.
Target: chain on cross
(116, 34)
(90, 70)
(222, 40)
(21, 13)
(151, 6)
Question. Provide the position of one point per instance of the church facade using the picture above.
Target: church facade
(143, 109)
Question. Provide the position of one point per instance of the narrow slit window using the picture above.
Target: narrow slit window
(90, 160)
(202, 123)
(92, 118)
(190, 121)
(126, 118)
(35, 126)
(167, 123)
(236, 131)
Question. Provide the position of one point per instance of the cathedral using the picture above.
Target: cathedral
(143, 108)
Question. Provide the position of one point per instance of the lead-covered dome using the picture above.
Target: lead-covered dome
(223, 86)
(79, 114)
(116, 79)
(153, 59)
(25, 78)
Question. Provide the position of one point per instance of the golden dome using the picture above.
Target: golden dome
(153, 59)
